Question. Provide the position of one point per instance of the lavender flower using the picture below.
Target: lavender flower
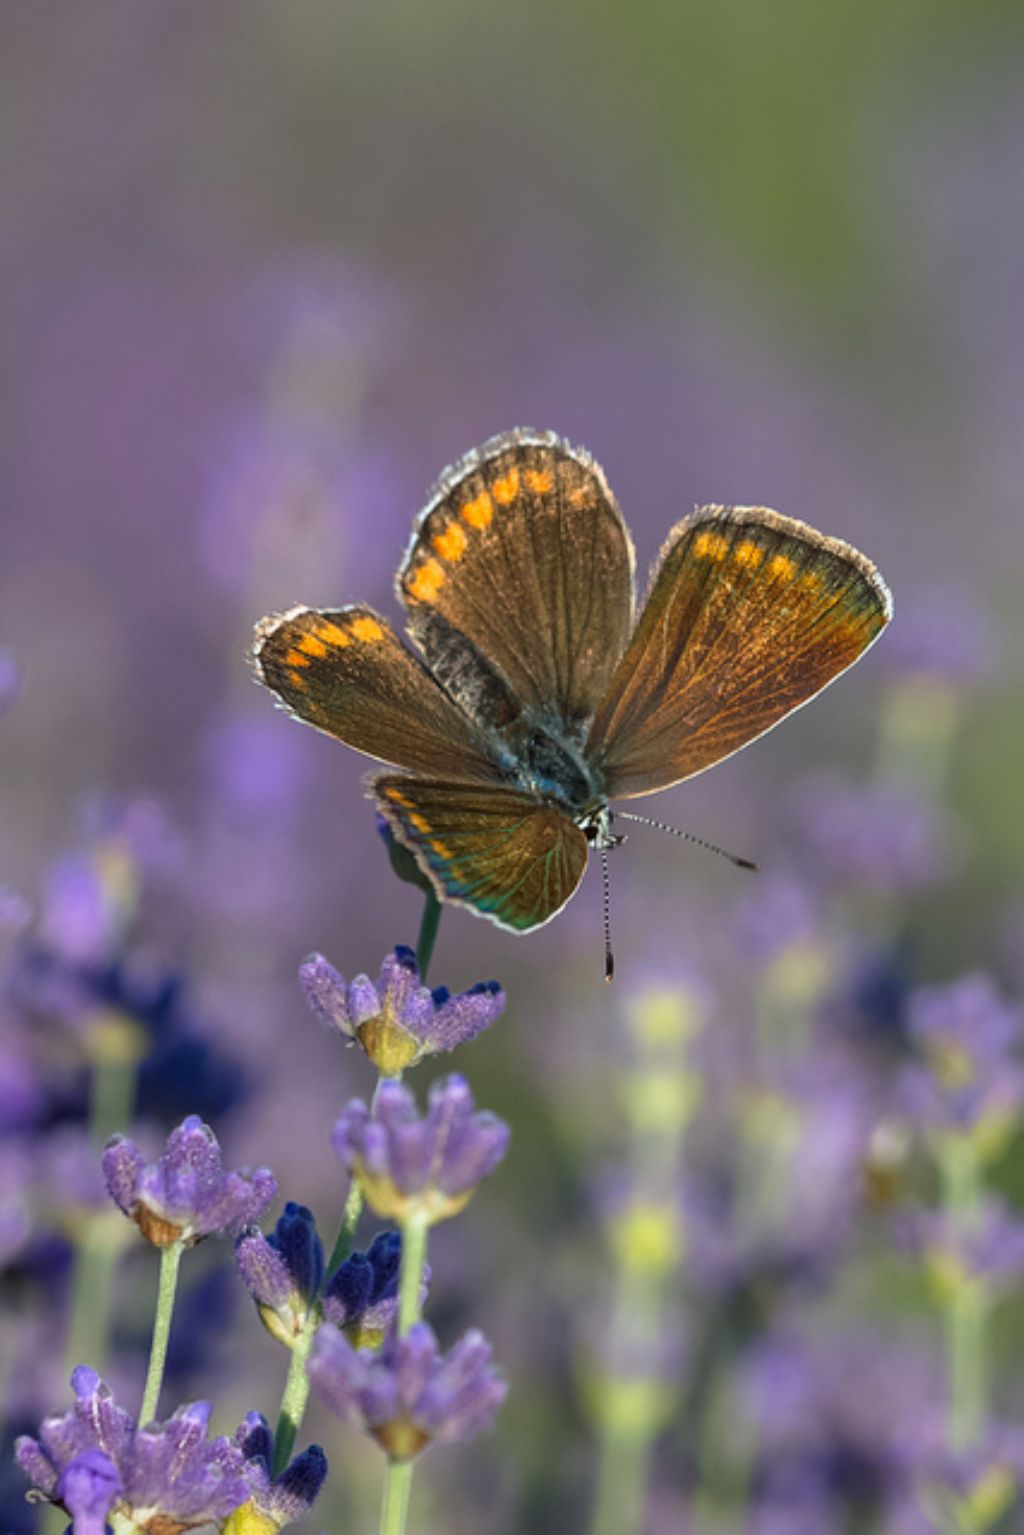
(185, 1196)
(362, 1294)
(406, 1394)
(275, 1501)
(406, 1164)
(171, 1476)
(398, 1021)
(283, 1271)
(167, 1477)
(970, 1079)
(88, 1488)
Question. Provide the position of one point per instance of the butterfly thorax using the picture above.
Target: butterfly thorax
(543, 755)
(549, 762)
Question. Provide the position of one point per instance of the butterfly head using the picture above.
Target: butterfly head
(596, 826)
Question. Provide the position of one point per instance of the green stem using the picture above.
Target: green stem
(113, 1098)
(966, 1316)
(394, 1509)
(296, 1386)
(621, 1482)
(345, 1240)
(112, 1101)
(170, 1261)
(429, 923)
(294, 1399)
(92, 1297)
(965, 1304)
(410, 1275)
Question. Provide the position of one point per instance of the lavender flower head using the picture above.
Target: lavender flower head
(411, 1165)
(274, 1500)
(407, 1395)
(970, 1078)
(362, 1294)
(398, 1021)
(186, 1195)
(88, 1488)
(284, 1271)
(165, 1477)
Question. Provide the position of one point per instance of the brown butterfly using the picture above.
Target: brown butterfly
(533, 695)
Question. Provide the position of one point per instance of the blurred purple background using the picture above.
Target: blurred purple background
(267, 269)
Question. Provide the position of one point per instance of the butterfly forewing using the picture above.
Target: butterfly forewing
(504, 853)
(347, 672)
(750, 614)
(521, 564)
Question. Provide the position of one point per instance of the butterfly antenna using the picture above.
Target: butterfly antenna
(646, 820)
(609, 958)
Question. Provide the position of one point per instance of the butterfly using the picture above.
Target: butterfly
(532, 695)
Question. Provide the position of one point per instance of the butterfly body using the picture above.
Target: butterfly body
(533, 696)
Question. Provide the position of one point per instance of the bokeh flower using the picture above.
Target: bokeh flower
(429, 1164)
(943, 635)
(985, 1244)
(969, 1076)
(9, 680)
(406, 1394)
(398, 1021)
(186, 1195)
(883, 837)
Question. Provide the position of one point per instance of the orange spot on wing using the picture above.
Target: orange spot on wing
(440, 848)
(312, 646)
(781, 566)
(367, 629)
(710, 546)
(418, 821)
(507, 488)
(295, 658)
(540, 481)
(332, 634)
(397, 798)
(425, 584)
(748, 555)
(451, 542)
(478, 512)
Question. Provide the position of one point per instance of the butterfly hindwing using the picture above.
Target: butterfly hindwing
(347, 672)
(521, 565)
(505, 854)
(750, 614)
